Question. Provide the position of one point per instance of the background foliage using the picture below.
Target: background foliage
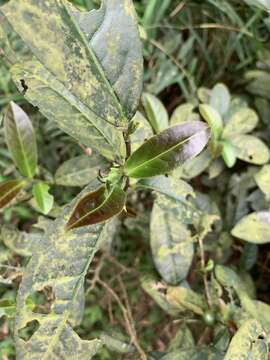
(205, 59)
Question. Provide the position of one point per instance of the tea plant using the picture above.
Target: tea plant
(83, 71)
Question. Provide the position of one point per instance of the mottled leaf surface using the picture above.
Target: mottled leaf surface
(254, 228)
(60, 260)
(241, 122)
(186, 299)
(183, 113)
(9, 190)
(262, 179)
(20, 242)
(171, 243)
(248, 343)
(75, 76)
(167, 150)
(213, 118)
(80, 170)
(194, 167)
(21, 140)
(251, 149)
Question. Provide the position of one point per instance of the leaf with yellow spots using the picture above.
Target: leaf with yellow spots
(85, 70)
(60, 261)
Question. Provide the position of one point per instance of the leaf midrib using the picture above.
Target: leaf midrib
(19, 185)
(165, 152)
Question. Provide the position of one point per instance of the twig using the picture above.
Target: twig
(130, 327)
(203, 264)
(178, 8)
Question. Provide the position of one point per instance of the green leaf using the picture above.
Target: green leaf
(229, 153)
(116, 345)
(90, 81)
(167, 150)
(220, 98)
(263, 4)
(43, 199)
(97, 206)
(251, 149)
(9, 190)
(21, 140)
(254, 228)
(183, 113)
(80, 170)
(213, 118)
(248, 343)
(241, 122)
(156, 112)
(183, 339)
(7, 308)
(60, 261)
(262, 179)
(171, 243)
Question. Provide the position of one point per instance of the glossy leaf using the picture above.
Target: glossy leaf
(171, 243)
(88, 95)
(241, 122)
(156, 112)
(220, 98)
(254, 228)
(43, 199)
(248, 343)
(213, 118)
(251, 149)
(21, 140)
(80, 170)
(61, 261)
(262, 179)
(97, 206)
(167, 150)
(9, 190)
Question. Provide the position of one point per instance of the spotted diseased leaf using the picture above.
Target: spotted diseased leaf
(254, 228)
(156, 112)
(21, 140)
(97, 206)
(251, 149)
(183, 113)
(86, 68)
(248, 343)
(157, 290)
(167, 150)
(9, 190)
(171, 242)
(186, 299)
(242, 121)
(196, 166)
(80, 170)
(262, 178)
(60, 260)
(19, 241)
